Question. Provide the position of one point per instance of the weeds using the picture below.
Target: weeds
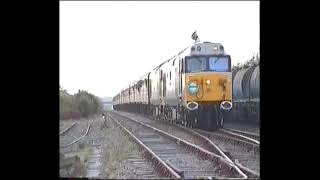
(84, 154)
(118, 150)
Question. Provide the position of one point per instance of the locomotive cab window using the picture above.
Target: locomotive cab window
(196, 64)
(220, 63)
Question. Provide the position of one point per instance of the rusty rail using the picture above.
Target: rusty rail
(67, 129)
(239, 136)
(78, 139)
(215, 149)
(159, 165)
(227, 166)
(244, 133)
(248, 171)
(248, 145)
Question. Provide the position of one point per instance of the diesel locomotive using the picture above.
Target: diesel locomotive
(193, 88)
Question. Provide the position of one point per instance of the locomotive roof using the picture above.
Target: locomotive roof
(184, 50)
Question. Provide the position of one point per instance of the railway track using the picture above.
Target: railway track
(175, 157)
(67, 129)
(245, 154)
(244, 133)
(141, 168)
(77, 138)
(181, 132)
(230, 150)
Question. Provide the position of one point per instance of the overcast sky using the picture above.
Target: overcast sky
(106, 45)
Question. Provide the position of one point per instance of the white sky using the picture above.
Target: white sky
(104, 45)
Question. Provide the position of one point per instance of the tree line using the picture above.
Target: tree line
(253, 61)
(81, 104)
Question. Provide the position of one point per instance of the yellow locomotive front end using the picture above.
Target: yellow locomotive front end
(207, 85)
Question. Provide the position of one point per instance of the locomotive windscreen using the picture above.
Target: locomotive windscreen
(220, 64)
(208, 63)
(196, 64)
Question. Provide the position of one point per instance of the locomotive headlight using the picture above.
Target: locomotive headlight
(208, 81)
(193, 88)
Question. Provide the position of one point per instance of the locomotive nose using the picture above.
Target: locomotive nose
(226, 105)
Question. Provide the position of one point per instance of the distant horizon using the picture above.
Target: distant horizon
(103, 97)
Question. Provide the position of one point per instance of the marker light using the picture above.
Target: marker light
(193, 88)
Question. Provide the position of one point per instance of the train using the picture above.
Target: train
(192, 88)
(246, 95)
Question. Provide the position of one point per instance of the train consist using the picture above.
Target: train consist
(193, 88)
(246, 95)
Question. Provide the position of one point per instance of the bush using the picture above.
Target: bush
(82, 104)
